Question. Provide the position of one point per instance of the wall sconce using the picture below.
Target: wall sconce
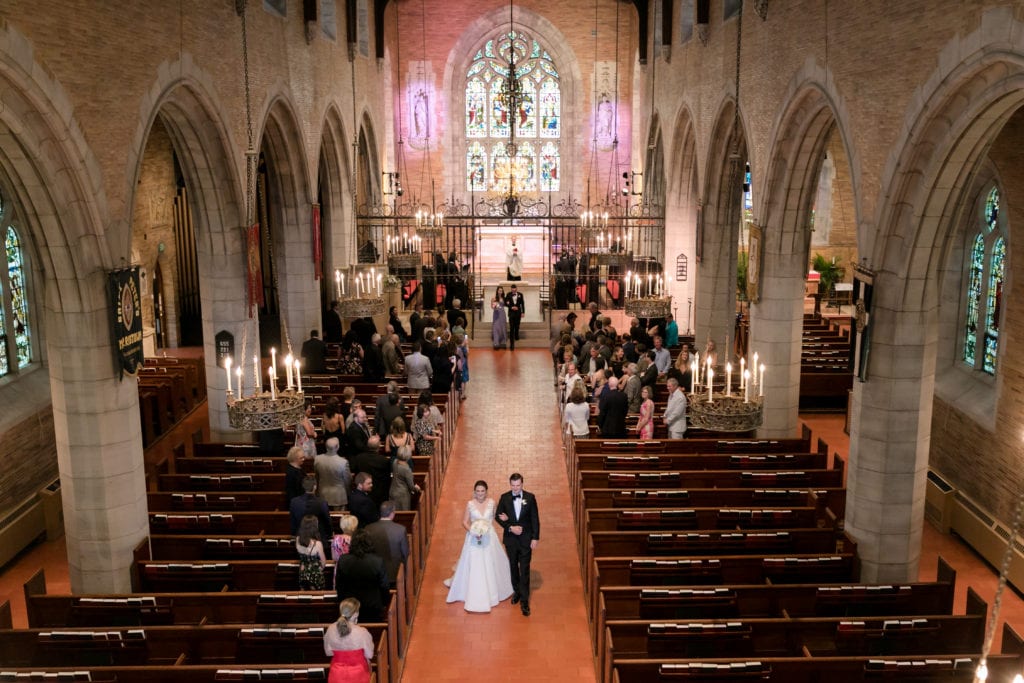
(392, 183)
(632, 183)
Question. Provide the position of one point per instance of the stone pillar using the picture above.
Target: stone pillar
(716, 286)
(889, 443)
(99, 441)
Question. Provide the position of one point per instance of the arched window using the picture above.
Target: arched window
(489, 123)
(15, 331)
(986, 271)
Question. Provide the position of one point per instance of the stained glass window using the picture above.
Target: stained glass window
(3, 336)
(19, 305)
(984, 301)
(488, 120)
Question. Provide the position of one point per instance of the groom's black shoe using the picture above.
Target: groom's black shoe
(526, 609)
(515, 598)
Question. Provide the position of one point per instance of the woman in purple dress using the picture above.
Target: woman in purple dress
(499, 321)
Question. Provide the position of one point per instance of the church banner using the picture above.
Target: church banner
(254, 275)
(318, 245)
(127, 322)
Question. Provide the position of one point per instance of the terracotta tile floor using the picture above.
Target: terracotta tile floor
(510, 422)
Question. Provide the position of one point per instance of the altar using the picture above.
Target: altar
(530, 244)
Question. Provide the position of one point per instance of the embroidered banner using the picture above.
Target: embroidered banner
(254, 277)
(127, 323)
(318, 245)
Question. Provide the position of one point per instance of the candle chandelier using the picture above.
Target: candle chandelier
(261, 410)
(725, 411)
(512, 97)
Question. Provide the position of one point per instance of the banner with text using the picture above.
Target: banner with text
(124, 292)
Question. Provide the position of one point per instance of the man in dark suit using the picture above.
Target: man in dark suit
(332, 324)
(514, 303)
(377, 465)
(649, 377)
(389, 540)
(389, 406)
(360, 505)
(373, 360)
(612, 409)
(311, 504)
(518, 516)
(314, 353)
(358, 433)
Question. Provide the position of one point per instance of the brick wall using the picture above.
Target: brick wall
(28, 459)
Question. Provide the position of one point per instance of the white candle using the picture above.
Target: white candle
(760, 383)
(357, 286)
(273, 362)
(711, 378)
(238, 373)
(257, 384)
(298, 375)
(728, 379)
(343, 280)
(693, 377)
(288, 369)
(379, 280)
(743, 372)
(227, 370)
(337, 283)
(649, 281)
(753, 368)
(746, 386)
(696, 362)
(273, 389)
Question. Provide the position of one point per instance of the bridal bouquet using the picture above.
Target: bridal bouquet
(479, 528)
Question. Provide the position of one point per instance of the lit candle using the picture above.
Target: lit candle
(693, 377)
(760, 383)
(273, 389)
(696, 361)
(238, 374)
(746, 386)
(257, 385)
(357, 286)
(728, 379)
(753, 368)
(743, 372)
(343, 285)
(650, 279)
(273, 362)
(227, 371)
(337, 283)
(379, 280)
(711, 379)
(288, 369)
(298, 375)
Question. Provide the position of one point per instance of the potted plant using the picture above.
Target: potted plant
(829, 273)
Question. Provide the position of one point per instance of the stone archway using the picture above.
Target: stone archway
(963, 107)
(682, 202)
(334, 174)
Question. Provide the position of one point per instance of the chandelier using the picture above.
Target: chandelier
(513, 97)
(726, 412)
(261, 410)
(360, 292)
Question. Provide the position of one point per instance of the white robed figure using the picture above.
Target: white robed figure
(482, 576)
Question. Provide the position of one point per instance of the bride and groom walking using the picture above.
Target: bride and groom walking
(486, 573)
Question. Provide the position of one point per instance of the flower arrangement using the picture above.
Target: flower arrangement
(479, 528)
(392, 283)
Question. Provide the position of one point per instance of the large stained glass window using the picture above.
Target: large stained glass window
(489, 123)
(986, 272)
(15, 338)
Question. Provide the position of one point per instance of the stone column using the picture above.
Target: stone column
(99, 440)
(889, 443)
(716, 285)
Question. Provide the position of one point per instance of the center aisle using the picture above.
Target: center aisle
(509, 423)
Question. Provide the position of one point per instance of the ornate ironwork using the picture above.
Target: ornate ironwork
(516, 206)
(649, 307)
(362, 307)
(725, 413)
(261, 412)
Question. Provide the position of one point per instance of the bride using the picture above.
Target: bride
(482, 577)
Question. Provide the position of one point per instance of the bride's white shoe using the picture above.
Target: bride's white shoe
(447, 583)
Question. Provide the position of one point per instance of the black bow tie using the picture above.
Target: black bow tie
(515, 497)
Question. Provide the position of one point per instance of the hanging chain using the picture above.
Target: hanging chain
(250, 176)
(1004, 570)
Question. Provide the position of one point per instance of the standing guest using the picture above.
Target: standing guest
(390, 541)
(398, 438)
(360, 504)
(351, 361)
(417, 313)
(361, 575)
(305, 433)
(514, 302)
(427, 399)
(680, 370)
(629, 349)
(341, 542)
(358, 433)
(310, 504)
(633, 388)
(675, 411)
(311, 555)
(332, 324)
(396, 323)
(454, 313)
(462, 364)
(595, 316)
(389, 406)
(349, 645)
(571, 378)
(443, 364)
(600, 385)
(662, 357)
(373, 360)
(333, 423)
(392, 356)
(418, 370)
(577, 413)
(617, 362)
(612, 409)
(424, 429)
(499, 320)
(649, 375)
(645, 425)
(374, 463)
(353, 407)
(333, 475)
(671, 332)
(402, 483)
(314, 354)
(294, 474)
(345, 407)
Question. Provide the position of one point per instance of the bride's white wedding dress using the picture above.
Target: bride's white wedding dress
(482, 577)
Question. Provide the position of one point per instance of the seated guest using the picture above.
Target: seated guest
(360, 504)
(349, 645)
(314, 354)
(612, 409)
(361, 575)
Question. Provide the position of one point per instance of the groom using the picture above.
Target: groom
(517, 514)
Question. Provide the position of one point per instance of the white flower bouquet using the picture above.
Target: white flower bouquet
(479, 528)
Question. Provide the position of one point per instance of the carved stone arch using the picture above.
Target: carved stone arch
(682, 211)
(369, 174)
(571, 84)
(334, 185)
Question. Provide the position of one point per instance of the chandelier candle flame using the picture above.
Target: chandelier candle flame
(728, 379)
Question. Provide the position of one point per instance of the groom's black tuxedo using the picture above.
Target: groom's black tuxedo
(518, 546)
